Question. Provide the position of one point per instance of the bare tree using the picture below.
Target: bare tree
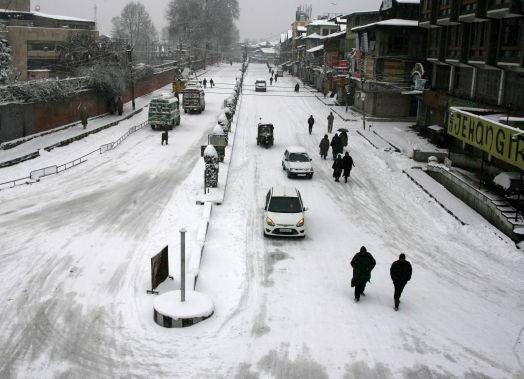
(135, 26)
(203, 24)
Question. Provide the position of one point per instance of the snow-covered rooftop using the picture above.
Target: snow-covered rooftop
(316, 48)
(390, 22)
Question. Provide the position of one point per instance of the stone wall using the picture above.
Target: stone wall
(21, 120)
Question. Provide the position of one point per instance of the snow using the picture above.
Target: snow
(504, 179)
(195, 304)
(389, 22)
(76, 247)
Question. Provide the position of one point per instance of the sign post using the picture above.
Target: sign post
(182, 265)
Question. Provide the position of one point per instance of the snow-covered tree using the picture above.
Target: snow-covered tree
(6, 68)
(134, 25)
(203, 24)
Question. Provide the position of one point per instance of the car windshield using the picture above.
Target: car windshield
(284, 205)
(298, 157)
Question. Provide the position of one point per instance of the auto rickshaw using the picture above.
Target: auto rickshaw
(265, 134)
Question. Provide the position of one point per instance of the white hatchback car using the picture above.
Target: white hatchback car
(284, 213)
(297, 162)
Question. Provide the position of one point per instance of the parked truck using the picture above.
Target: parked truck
(193, 97)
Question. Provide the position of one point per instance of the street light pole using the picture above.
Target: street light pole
(130, 64)
(363, 98)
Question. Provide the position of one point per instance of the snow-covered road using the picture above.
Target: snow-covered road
(75, 252)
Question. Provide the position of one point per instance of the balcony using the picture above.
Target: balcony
(510, 56)
(472, 10)
(504, 8)
(448, 13)
(428, 14)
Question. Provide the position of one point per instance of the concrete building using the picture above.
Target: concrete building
(34, 37)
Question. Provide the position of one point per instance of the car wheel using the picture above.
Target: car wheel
(289, 175)
(283, 167)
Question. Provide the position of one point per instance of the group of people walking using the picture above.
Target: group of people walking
(211, 82)
(363, 263)
(342, 165)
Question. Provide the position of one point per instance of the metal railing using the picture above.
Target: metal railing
(35, 175)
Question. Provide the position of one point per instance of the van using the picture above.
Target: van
(193, 97)
(164, 112)
(280, 71)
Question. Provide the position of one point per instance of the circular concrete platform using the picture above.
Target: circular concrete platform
(170, 312)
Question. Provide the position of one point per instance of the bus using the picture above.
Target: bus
(164, 112)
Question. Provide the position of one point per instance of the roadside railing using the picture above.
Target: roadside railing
(35, 175)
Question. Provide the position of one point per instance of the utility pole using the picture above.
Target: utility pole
(131, 74)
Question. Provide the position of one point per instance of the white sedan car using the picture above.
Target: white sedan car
(284, 213)
(297, 162)
(260, 85)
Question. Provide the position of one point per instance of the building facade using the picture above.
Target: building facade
(476, 52)
(34, 38)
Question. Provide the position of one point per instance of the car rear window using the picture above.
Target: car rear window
(296, 157)
(284, 205)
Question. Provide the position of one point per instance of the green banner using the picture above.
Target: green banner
(501, 141)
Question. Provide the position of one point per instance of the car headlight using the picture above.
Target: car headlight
(300, 222)
(269, 221)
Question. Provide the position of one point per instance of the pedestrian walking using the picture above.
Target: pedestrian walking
(336, 145)
(271, 81)
(330, 119)
(324, 146)
(165, 136)
(276, 77)
(310, 122)
(211, 82)
(343, 138)
(400, 272)
(362, 263)
(84, 115)
(337, 168)
(204, 82)
(297, 87)
(347, 165)
(120, 105)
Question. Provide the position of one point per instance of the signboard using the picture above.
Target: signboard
(217, 139)
(159, 269)
(502, 142)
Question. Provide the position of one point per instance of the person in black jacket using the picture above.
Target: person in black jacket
(336, 146)
(400, 272)
(310, 122)
(337, 168)
(347, 165)
(362, 263)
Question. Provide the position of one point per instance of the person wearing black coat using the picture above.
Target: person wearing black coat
(362, 263)
(400, 272)
(336, 145)
(310, 122)
(337, 168)
(347, 165)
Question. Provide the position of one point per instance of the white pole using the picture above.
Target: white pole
(182, 265)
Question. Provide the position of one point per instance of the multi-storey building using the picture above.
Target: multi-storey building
(390, 53)
(476, 52)
(34, 37)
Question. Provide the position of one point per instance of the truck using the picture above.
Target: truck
(164, 112)
(193, 97)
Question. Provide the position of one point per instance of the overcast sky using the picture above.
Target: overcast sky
(258, 19)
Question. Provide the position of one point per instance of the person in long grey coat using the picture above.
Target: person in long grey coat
(324, 146)
(362, 263)
(400, 272)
